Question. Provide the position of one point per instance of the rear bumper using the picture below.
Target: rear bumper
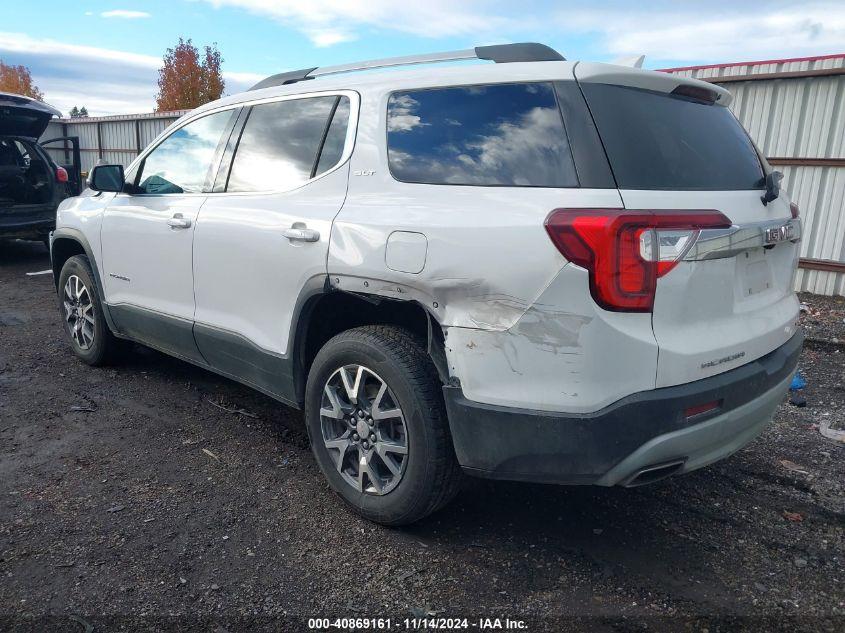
(616, 444)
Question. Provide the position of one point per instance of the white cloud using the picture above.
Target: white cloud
(105, 81)
(716, 33)
(402, 116)
(323, 38)
(328, 22)
(717, 30)
(238, 82)
(125, 14)
(22, 43)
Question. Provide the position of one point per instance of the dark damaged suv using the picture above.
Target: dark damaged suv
(31, 183)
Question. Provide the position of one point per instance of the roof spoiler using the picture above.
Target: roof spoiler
(499, 53)
(634, 62)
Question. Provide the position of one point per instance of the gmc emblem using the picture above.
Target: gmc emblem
(779, 234)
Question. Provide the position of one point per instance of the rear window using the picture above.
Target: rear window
(502, 134)
(658, 141)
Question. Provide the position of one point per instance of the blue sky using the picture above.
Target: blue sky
(104, 54)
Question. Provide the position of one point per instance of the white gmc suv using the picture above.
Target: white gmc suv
(535, 270)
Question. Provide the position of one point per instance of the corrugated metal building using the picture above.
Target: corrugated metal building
(112, 139)
(794, 110)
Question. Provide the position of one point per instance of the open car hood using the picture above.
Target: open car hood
(22, 116)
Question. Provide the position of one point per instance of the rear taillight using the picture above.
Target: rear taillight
(793, 209)
(625, 251)
(61, 174)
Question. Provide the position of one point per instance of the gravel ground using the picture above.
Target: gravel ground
(823, 318)
(129, 501)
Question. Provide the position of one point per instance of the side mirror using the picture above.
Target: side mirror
(106, 178)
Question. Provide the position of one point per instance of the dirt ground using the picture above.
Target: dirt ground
(129, 501)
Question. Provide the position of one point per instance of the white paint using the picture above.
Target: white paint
(705, 311)
(138, 244)
(247, 275)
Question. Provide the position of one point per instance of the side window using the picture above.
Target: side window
(181, 163)
(335, 138)
(281, 142)
(498, 134)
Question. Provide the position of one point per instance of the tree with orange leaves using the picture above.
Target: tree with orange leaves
(18, 80)
(185, 82)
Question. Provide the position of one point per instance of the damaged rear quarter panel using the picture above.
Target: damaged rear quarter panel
(488, 255)
(564, 353)
(491, 276)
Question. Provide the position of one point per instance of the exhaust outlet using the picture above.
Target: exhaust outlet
(652, 474)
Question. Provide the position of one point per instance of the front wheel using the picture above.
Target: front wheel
(378, 425)
(82, 314)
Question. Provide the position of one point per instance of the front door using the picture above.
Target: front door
(148, 232)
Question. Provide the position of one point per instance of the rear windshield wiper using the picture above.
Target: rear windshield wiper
(772, 182)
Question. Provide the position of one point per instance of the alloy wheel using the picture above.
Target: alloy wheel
(79, 312)
(364, 430)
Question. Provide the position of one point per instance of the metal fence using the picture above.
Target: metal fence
(112, 139)
(795, 111)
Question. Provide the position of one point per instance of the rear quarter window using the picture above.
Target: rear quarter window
(494, 135)
(655, 140)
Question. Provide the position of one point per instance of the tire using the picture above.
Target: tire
(103, 346)
(429, 473)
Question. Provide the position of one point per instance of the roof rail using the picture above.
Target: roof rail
(499, 53)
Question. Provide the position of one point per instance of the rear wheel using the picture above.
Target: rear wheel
(82, 314)
(378, 425)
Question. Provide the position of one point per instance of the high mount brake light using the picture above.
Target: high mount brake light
(699, 93)
(625, 251)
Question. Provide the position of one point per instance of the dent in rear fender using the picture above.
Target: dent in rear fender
(461, 282)
(563, 354)
(458, 301)
(488, 257)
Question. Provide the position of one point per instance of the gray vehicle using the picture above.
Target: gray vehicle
(32, 184)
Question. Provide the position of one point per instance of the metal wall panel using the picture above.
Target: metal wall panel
(119, 136)
(799, 118)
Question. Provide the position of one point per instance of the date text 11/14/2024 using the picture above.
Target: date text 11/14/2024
(416, 624)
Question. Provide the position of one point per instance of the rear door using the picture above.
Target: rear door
(72, 162)
(148, 232)
(674, 147)
(262, 237)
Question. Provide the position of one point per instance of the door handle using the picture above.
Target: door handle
(301, 234)
(178, 222)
